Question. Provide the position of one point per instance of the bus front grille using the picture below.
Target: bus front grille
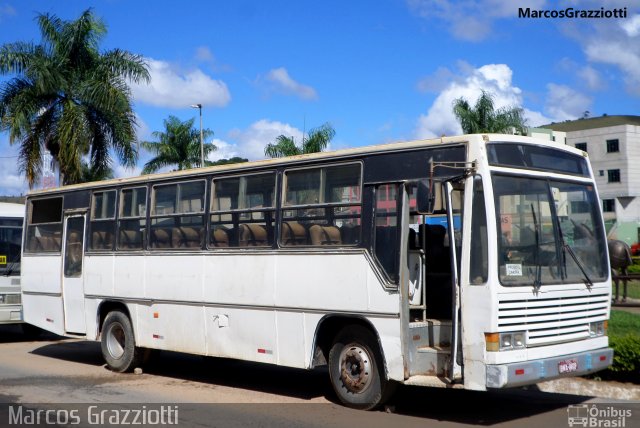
(549, 320)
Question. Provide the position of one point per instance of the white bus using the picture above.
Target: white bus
(11, 217)
(476, 262)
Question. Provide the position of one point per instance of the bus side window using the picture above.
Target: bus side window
(386, 229)
(478, 261)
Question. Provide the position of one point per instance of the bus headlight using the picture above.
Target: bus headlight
(598, 328)
(505, 341)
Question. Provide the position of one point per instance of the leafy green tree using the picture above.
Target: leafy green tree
(235, 159)
(178, 146)
(316, 141)
(89, 173)
(483, 117)
(67, 97)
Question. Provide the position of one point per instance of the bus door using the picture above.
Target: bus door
(454, 196)
(72, 277)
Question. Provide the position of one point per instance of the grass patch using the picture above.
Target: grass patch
(633, 289)
(624, 338)
(622, 323)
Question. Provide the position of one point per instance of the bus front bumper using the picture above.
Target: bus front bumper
(530, 372)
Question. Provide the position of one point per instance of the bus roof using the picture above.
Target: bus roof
(8, 209)
(292, 160)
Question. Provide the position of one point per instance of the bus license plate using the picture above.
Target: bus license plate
(568, 366)
(3, 260)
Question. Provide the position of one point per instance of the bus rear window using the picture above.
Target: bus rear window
(537, 157)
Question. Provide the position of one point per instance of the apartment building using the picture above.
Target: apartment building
(613, 145)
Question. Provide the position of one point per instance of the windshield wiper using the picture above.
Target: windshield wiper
(537, 282)
(566, 247)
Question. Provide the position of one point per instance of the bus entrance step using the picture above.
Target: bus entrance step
(435, 349)
(430, 333)
(430, 361)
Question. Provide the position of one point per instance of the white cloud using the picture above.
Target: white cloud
(493, 78)
(250, 142)
(621, 53)
(120, 171)
(13, 183)
(562, 102)
(279, 81)
(591, 78)
(614, 43)
(170, 87)
(631, 26)
(470, 20)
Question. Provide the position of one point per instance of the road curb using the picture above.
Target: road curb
(593, 388)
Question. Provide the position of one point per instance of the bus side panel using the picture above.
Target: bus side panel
(332, 282)
(171, 327)
(239, 279)
(388, 330)
(44, 311)
(91, 318)
(129, 277)
(99, 275)
(293, 346)
(246, 334)
(41, 274)
(174, 277)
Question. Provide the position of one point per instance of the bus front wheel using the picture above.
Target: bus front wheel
(356, 369)
(118, 343)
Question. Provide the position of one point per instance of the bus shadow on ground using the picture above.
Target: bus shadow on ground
(453, 405)
(13, 333)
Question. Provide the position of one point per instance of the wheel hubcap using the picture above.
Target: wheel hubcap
(116, 340)
(355, 368)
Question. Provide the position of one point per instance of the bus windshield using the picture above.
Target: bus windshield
(550, 232)
(10, 239)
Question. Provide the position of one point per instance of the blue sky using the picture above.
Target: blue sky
(377, 71)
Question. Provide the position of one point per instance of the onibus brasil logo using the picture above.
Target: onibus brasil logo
(597, 416)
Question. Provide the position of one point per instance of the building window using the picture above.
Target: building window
(581, 146)
(613, 175)
(602, 173)
(609, 205)
(613, 146)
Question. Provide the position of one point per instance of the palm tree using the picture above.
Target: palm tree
(484, 118)
(178, 145)
(317, 140)
(69, 98)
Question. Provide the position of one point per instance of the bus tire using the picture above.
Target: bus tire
(118, 344)
(356, 369)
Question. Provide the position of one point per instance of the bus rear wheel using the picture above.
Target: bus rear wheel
(356, 369)
(118, 343)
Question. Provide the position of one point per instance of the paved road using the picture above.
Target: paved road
(53, 370)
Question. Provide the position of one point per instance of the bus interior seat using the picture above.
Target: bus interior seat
(101, 239)
(293, 233)
(130, 239)
(161, 238)
(187, 237)
(74, 248)
(219, 237)
(325, 235)
(350, 234)
(253, 235)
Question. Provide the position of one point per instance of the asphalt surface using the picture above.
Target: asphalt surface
(61, 373)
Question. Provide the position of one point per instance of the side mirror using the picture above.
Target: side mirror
(425, 197)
